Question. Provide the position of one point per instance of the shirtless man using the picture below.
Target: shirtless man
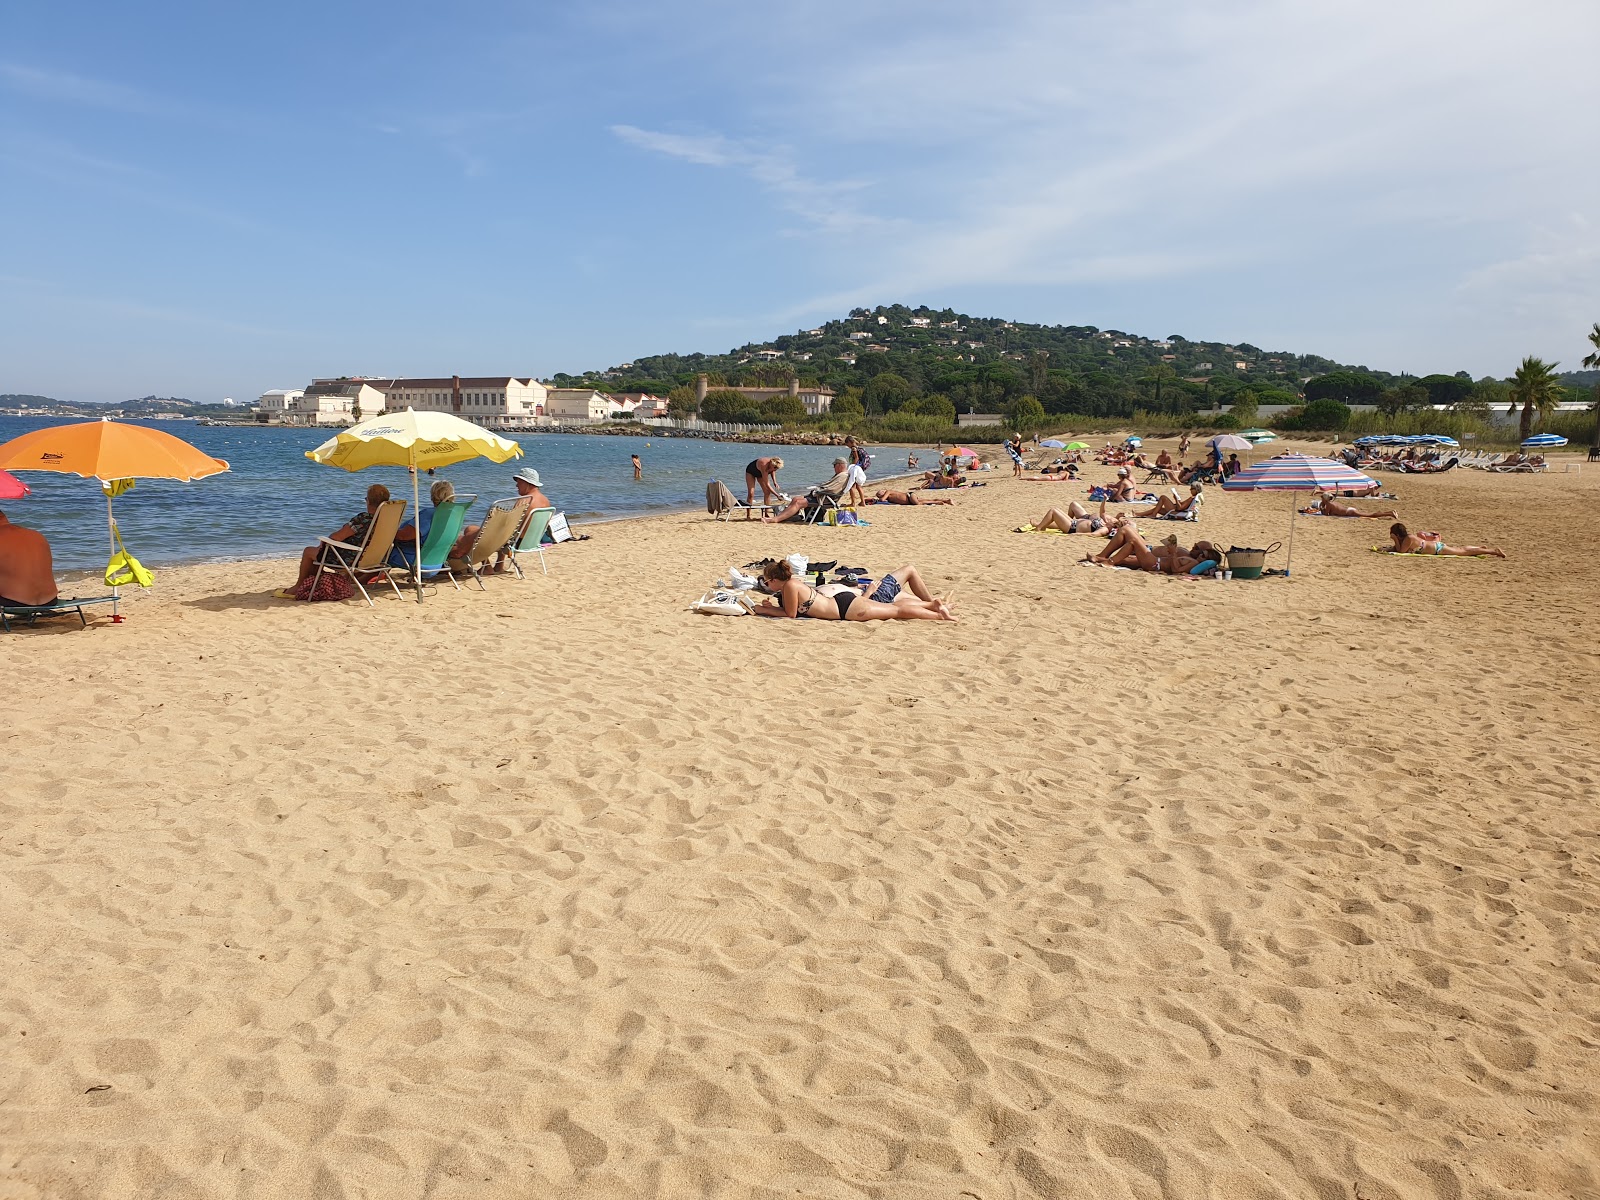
(887, 496)
(27, 575)
(834, 489)
(1329, 507)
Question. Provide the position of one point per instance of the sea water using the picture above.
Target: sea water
(274, 500)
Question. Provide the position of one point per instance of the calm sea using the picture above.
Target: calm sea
(275, 500)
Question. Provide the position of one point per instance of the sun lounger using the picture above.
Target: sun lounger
(531, 540)
(722, 503)
(58, 608)
(499, 526)
(368, 559)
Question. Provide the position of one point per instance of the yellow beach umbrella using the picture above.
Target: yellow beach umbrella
(421, 441)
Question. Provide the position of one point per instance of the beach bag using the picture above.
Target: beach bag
(1246, 563)
(558, 531)
(326, 586)
(124, 568)
(720, 602)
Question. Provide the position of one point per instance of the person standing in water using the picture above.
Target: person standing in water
(638, 468)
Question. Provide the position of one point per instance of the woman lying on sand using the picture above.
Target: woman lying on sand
(838, 602)
(1432, 543)
(1128, 549)
(887, 496)
(1329, 507)
(1077, 519)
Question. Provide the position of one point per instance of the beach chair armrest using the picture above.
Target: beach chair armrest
(328, 541)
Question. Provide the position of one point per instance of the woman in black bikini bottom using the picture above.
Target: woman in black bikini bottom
(797, 598)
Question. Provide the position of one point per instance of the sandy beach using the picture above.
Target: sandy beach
(1123, 886)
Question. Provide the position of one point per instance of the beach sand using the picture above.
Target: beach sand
(1123, 886)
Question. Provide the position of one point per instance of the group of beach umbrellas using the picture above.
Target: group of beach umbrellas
(117, 453)
(1405, 439)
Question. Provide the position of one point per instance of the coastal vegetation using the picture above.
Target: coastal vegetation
(902, 372)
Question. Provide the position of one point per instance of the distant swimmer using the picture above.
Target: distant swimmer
(638, 468)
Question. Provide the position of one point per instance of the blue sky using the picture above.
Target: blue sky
(211, 200)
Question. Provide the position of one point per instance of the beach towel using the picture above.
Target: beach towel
(1435, 557)
(718, 498)
(1031, 529)
(1100, 493)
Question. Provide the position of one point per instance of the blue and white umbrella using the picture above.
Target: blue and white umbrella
(1053, 443)
(1542, 440)
(1437, 439)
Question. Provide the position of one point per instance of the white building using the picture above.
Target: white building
(272, 405)
(577, 404)
(493, 401)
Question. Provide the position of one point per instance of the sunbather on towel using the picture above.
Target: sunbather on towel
(1128, 549)
(27, 574)
(837, 602)
(889, 496)
(1413, 543)
(1077, 519)
(1122, 489)
(1329, 507)
(352, 530)
(834, 490)
(1166, 506)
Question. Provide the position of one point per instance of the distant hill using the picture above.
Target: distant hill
(22, 400)
(982, 362)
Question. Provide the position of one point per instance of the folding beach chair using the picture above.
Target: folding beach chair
(531, 540)
(823, 503)
(448, 518)
(722, 503)
(499, 526)
(369, 558)
(56, 608)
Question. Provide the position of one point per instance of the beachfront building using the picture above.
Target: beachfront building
(817, 399)
(493, 401)
(339, 401)
(578, 404)
(639, 405)
(271, 408)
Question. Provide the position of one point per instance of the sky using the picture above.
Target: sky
(210, 201)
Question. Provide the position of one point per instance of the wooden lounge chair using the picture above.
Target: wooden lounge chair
(56, 608)
(499, 526)
(531, 539)
(370, 558)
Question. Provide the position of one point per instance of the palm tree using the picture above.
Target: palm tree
(1593, 360)
(1534, 386)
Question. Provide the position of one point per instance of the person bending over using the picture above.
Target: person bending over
(762, 472)
(889, 496)
(1330, 507)
(1415, 543)
(27, 574)
(833, 490)
(838, 602)
(352, 530)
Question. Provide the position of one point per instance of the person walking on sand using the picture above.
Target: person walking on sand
(27, 574)
(762, 472)
(638, 468)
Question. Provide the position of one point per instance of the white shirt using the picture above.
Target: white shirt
(858, 477)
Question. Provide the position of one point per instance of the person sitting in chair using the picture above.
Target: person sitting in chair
(833, 490)
(27, 574)
(1166, 506)
(407, 537)
(352, 530)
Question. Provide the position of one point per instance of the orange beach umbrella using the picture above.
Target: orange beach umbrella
(108, 450)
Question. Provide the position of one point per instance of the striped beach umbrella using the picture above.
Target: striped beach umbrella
(1543, 440)
(1436, 439)
(1298, 473)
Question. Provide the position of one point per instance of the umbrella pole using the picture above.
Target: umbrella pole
(1288, 563)
(416, 525)
(111, 537)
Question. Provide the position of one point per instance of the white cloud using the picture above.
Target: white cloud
(822, 204)
(65, 87)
